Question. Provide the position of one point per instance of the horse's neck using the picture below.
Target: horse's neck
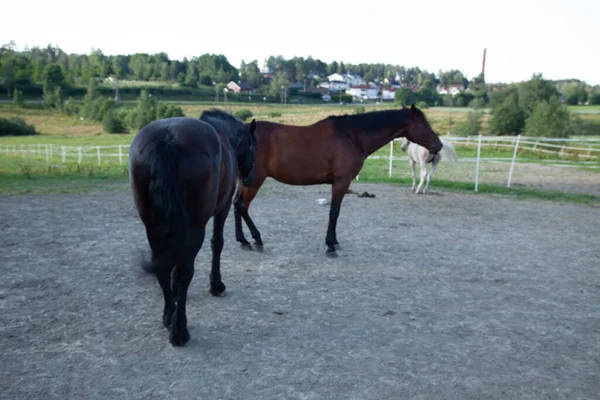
(373, 141)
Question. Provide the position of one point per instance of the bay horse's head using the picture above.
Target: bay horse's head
(420, 132)
(241, 137)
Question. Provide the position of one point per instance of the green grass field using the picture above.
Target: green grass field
(40, 172)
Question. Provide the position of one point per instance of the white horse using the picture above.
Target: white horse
(419, 154)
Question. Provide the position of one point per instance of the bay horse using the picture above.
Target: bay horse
(182, 172)
(419, 154)
(330, 151)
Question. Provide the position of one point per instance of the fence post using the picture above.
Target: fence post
(391, 156)
(79, 155)
(98, 151)
(477, 163)
(39, 146)
(512, 164)
(535, 145)
(562, 149)
(589, 152)
(64, 154)
(120, 155)
(47, 153)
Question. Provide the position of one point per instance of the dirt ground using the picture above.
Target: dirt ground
(442, 296)
(556, 177)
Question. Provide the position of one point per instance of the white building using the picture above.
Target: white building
(388, 94)
(363, 92)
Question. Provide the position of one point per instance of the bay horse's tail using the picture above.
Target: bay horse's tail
(448, 151)
(170, 217)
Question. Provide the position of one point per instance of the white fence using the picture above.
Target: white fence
(584, 151)
(578, 151)
(53, 152)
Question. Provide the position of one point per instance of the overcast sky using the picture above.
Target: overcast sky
(557, 38)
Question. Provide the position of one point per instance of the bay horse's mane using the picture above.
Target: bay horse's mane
(370, 121)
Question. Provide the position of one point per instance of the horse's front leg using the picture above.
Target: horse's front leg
(241, 205)
(412, 167)
(217, 287)
(338, 190)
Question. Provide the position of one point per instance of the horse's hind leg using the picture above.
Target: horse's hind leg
(241, 204)
(164, 279)
(423, 174)
(433, 167)
(217, 287)
(180, 335)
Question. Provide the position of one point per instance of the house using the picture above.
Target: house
(338, 82)
(389, 93)
(452, 89)
(364, 92)
(240, 87)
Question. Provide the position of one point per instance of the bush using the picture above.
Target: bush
(422, 105)
(550, 119)
(148, 109)
(112, 123)
(97, 108)
(595, 99)
(70, 107)
(471, 126)
(477, 103)
(507, 118)
(18, 98)
(243, 114)
(14, 126)
(359, 110)
(164, 110)
(274, 114)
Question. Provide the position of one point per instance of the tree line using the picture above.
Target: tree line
(29, 66)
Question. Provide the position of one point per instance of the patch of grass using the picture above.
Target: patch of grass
(375, 171)
(19, 176)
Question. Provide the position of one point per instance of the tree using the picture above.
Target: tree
(280, 79)
(405, 96)
(54, 80)
(534, 91)
(550, 118)
(7, 71)
(508, 118)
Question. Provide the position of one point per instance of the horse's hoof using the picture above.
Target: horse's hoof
(331, 253)
(337, 246)
(259, 247)
(246, 246)
(179, 339)
(217, 289)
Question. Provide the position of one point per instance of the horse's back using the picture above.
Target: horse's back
(297, 155)
(205, 163)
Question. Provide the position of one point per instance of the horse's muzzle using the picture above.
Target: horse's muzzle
(249, 179)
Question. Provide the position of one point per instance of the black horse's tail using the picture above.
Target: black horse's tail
(171, 221)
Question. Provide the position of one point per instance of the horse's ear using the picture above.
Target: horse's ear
(413, 109)
(253, 128)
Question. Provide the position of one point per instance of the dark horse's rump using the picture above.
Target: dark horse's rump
(330, 151)
(182, 173)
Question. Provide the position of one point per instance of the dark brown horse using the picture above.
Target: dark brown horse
(182, 172)
(331, 151)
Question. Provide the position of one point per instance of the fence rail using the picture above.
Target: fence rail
(585, 150)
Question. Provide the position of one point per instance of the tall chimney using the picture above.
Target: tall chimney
(483, 66)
